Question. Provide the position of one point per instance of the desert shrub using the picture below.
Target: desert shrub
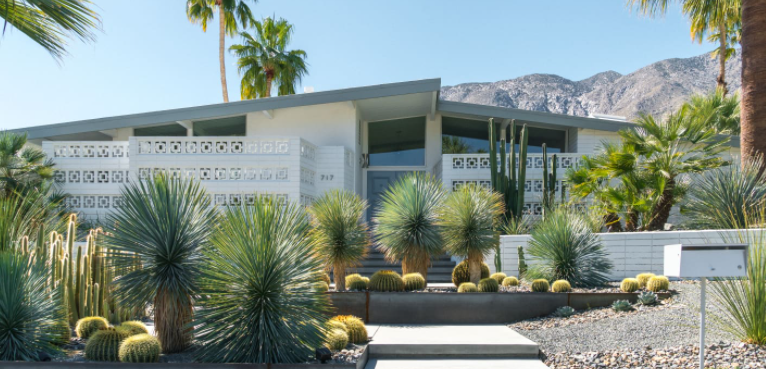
(630, 285)
(414, 282)
(561, 286)
(540, 285)
(647, 298)
(467, 287)
(460, 273)
(658, 283)
(564, 247)
(499, 277)
(643, 278)
(510, 282)
(104, 345)
(357, 331)
(87, 326)
(61, 332)
(257, 283)
(29, 314)
(337, 340)
(140, 348)
(386, 281)
(622, 305)
(133, 327)
(564, 312)
(488, 285)
(335, 324)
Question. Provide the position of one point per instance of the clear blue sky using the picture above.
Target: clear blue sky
(150, 57)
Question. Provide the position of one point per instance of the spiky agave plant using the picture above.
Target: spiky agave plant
(407, 222)
(257, 304)
(164, 223)
(468, 224)
(28, 311)
(564, 247)
(339, 233)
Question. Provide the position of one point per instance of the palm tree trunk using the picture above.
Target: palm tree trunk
(722, 59)
(753, 118)
(171, 322)
(474, 267)
(612, 222)
(269, 80)
(339, 276)
(221, 49)
(664, 205)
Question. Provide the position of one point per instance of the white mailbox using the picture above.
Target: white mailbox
(706, 261)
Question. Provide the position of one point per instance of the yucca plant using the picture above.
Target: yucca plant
(339, 233)
(164, 223)
(407, 227)
(19, 217)
(468, 223)
(29, 314)
(564, 247)
(257, 305)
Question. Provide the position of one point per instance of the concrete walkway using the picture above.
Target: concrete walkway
(454, 346)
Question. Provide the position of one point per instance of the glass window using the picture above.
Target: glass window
(466, 136)
(400, 142)
(173, 129)
(233, 126)
(554, 140)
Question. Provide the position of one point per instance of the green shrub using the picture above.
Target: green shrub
(460, 274)
(540, 285)
(467, 287)
(647, 298)
(89, 325)
(104, 345)
(488, 285)
(564, 246)
(335, 324)
(320, 286)
(140, 348)
(357, 331)
(561, 286)
(510, 282)
(643, 278)
(564, 312)
(499, 277)
(133, 327)
(337, 340)
(630, 285)
(414, 282)
(622, 305)
(658, 283)
(386, 281)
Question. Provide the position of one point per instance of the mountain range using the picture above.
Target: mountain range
(657, 89)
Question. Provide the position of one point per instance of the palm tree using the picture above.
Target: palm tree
(340, 235)
(407, 226)
(469, 222)
(22, 167)
(50, 23)
(164, 223)
(264, 60)
(753, 85)
(231, 14)
(716, 110)
(454, 145)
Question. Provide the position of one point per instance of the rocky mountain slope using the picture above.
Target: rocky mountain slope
(656, 89)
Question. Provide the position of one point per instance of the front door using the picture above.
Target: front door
(378, 182)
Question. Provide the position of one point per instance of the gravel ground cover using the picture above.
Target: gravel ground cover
(659, 337)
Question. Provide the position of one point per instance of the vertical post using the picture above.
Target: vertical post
(703, 283)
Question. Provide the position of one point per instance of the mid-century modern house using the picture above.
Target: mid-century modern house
(296, 147)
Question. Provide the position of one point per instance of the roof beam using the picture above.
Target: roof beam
(434, 99)
(351, 104)
(506, 123)
(110, 132)
(185, 123)
(268, 113)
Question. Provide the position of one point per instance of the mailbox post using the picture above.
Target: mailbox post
(703, 262)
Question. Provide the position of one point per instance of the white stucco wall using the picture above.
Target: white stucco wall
(589, 140)
(322, 125)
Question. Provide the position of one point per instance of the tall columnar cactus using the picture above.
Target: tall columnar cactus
(549, 181)
(522, 263)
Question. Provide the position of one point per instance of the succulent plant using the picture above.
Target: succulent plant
(414, 282)
(357, 332)
(643, 278)
(104, 345)
(324, 277)
(357, 284)
(467, 287)
(647, 298)
(337, 340)
(88, 326)
(499, 277)
(561, 286)
(630, 285)
(133, 327)
(352, 278)
(460, 274)
(510, 282)
(366, 280)
(658, 283)
(564, 312)
(336, 324)
(488, 285)
(321, 286)
(386, 281)
(61, 332)
(622, 305)
(140, 348)
(540, 285)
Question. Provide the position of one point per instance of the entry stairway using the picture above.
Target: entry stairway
(440, 271)
(450, 347)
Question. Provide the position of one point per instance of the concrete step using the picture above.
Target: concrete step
(453, 341)
(455, 363)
